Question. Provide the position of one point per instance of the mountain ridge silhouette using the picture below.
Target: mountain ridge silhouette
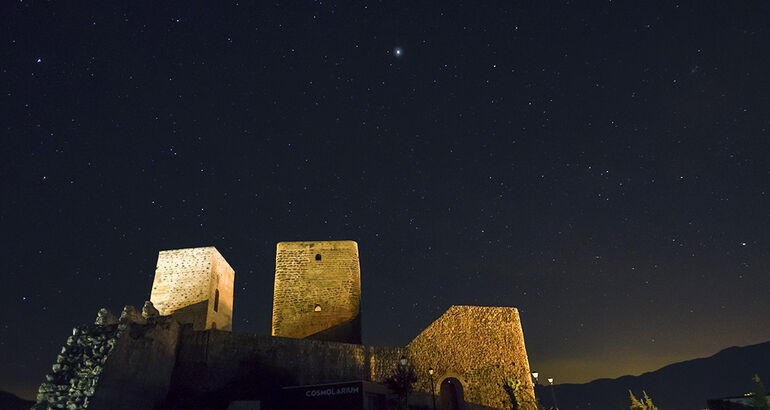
(684, 385)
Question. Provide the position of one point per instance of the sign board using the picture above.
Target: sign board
(334, 396)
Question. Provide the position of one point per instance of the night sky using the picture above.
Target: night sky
(602, 167)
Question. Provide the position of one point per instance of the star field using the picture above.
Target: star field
(603, 168)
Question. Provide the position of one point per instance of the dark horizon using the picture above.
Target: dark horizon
(605, 169)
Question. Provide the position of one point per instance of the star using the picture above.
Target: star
(398, 51)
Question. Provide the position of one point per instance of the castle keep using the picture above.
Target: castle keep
(317, 292)
(195, 285)
(180, 352)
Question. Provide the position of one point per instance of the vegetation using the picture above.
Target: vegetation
(644, 404)
(401, 382)
(521, 398)
(759, 396)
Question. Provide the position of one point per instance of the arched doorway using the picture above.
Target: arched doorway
(450, 396)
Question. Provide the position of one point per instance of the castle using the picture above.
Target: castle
(180, 351)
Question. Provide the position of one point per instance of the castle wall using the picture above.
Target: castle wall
(185, 277)
(317, 291)
(162, 364)
(195, 315)
(124, 365)
(182, 278)
(137, 373)
(479, 346)
(215, 367)
(222, 280)
(78, 368)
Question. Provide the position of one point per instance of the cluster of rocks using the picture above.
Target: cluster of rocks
(77, 369)
(72, 382)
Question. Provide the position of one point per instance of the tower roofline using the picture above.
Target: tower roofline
(288, 244)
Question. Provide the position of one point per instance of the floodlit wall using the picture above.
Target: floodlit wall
(317, 291)
(187, 277)
(478, 346)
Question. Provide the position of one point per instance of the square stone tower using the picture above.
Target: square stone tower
(317, 292)
(196, 286)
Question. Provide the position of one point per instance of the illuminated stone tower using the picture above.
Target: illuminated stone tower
(317, 291)
(196, 286)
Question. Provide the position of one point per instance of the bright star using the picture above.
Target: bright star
(398, 51)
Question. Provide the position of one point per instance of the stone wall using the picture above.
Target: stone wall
(72, 382)
(222, 280)
(137, 373)
(146, 361)
(317, 291)
(115, 363)
(194, 315)
(481, 347)
(185, 277)
(215, 367)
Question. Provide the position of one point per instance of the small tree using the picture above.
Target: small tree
(400, 382)
(644, 404)
(759, 398)
(519, 395)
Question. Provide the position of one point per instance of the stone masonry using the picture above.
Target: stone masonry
(114, 363)
(173, 357)
(317, 291)
(72, 381)
(479, 346)
(196, 285)
(215, 366)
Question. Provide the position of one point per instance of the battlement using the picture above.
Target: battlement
(317, 291)
(196, 286)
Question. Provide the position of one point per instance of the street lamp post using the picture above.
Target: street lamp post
(553, 395)
(402, 360)
(432, 388)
